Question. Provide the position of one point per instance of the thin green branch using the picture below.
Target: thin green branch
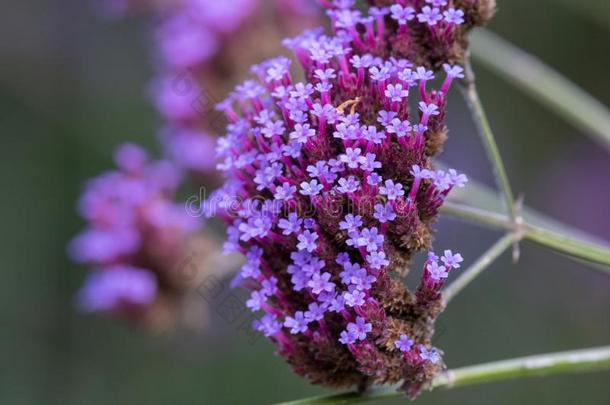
(473, 101)
(586, 360)
(478, 195)
(569, 245)
(543, 83)
(478, 267)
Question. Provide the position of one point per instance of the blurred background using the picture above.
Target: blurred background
(72, 87)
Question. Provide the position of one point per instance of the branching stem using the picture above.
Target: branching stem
(473, 101)
(568, 245)
(478, 267)
(593, 359)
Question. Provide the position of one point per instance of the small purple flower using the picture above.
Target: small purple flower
(342, 258)
(337, 304)
(275, 128)
(396, 93)
(348, 185)
(402, 14)
(437, 3)
(354, 298)
(371, 134)
(377, 260)
(302, 132)
(269, 286)
(371, 239)
(362, 280)
(349, 273)
(386, 117)
(315, 312)
(370, 164)
(384, 213)
(256, 301)
(454, 71)
(373, 179)
(347, 18)
(347, 337)
(292, 149)
(353, 236)
(352, 157)
(423, 74)
(268, 325)
(360, 328)
(311, 188)
(430, 16)
(302, 91)
(290, 225)
(320, 282)
(285, 191)
(408, 76)
(451, 260)
(297, 324)
(391, 190)
(399, 127)
(458, 180)
(437, 272)
(419, 173)
(307, 241)
(431, 355)
(379, 74)
(364, 61)
(404, 344)
(428, 109)
(325, 75)
(454, 16)
(351, 222)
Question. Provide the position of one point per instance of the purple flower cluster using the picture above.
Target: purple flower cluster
(330, 190)
(135, 234)
(429, 32)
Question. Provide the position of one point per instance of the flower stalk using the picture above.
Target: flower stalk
(478, 267)
(585, 360)
(471, 95)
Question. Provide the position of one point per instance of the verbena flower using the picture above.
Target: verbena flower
(330, 191)
(135, 236)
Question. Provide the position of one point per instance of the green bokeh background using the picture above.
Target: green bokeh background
(72, 88)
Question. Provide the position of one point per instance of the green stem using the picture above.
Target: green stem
(543, 83)
(593, 359)
(473, 101)
(478, 267)
(569, 245)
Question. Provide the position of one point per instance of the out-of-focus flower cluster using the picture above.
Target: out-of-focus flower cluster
(330, 191)
(200, 46)
(135, 237)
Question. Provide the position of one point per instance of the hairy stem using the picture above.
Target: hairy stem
(562, 243)
(478, 267)
(473, 101)
(593, 359)
(545, 84)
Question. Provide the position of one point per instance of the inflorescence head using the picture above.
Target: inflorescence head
(330, 191)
